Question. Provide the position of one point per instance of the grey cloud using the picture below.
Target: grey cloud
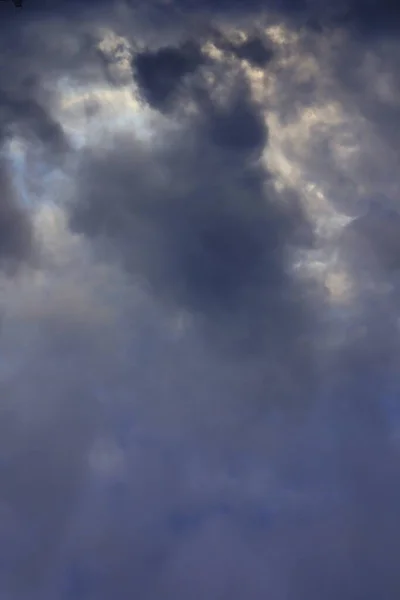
(23, 102)
(372, 239)
(237, 127)
(16, 236)
(366, 20)
(200, 223)
(30, 118)
(340, 542)
(160, 73)
(253, 49)
(26, 113)
(224, 489)
(38, 56)
(370, 19)
(50, 417)
(350, 550)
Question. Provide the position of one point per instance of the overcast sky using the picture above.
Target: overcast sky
(199, 292)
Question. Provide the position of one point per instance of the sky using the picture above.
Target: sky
(199, 291)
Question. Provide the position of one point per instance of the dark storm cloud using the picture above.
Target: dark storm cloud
(370, 17)
(199, 220)
(26, 116)
(237, 127)
(32, 53)
(15, 229)
(47, 418)
(38, 51)
(365, 18)
(40, 415)
(25, 103)
(253, 50)
(160, 73)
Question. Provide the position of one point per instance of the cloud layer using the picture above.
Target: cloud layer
(199, 300)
